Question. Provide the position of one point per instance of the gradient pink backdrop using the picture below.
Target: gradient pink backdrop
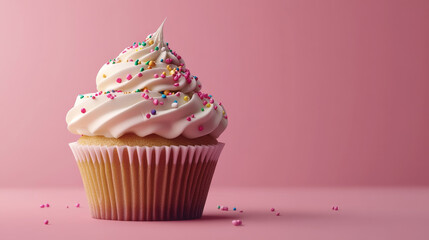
(318, 92)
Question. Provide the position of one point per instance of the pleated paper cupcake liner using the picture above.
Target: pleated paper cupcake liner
(146, 183)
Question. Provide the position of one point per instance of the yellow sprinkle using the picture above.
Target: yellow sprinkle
(141, 48)
(104, 75)
(151, 63)
(136, 50)
(172, 72)
(223, 112)
(150, 42)
(119, 61)
(186, 98)
(164, 73)
(208, 105)
(166, 92)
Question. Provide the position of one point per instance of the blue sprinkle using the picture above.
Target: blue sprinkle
(153, 111)
(175, 101)
(210, 96)
(163, 96)
(162, 60)
(234, 209)
(177, 69)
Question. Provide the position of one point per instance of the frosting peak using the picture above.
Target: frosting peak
(147, 89)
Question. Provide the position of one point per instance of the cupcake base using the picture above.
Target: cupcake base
(146, 183)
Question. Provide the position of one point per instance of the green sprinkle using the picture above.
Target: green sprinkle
(108, 92)
(81, 96)
(136, 62)
(144, 44)
(110, 60)
(147, 63)
(218, 207)
(140, 43)
(150, 36)
(138, 90)
(171, 50)
(113, 62)
(141, 69)
(156, 48)
(167, 44)
(134, 43)
(202, 109)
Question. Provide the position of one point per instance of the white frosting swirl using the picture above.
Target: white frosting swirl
(155, 95)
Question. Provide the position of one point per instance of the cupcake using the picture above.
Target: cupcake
(148, 147)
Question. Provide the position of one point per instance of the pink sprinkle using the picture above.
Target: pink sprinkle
(47, 204)
(129, 76)
(67, 206)
(211, 100)
(215, 107)
(163, 75)
(204, 103)
(278, 214)
(42, 206)
(336, 208)
(140, 74)
(193, 115)
(178, 94)
(188, 118)
(168, 60)
(223, 208)
(179, 57)
(176, 84)
(155, 75)
(201, 128)
(119, 80)
(155, 102)
(93, 97)
(161, 103)
(148, 115)
(46, 222)
(77, 205)
(236, 222)
(272, 209)
(151, 50)
(220, 104)
(83, 110)
(333, 207)
(241, 211)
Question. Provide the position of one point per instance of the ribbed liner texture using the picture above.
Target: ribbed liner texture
(146, 183)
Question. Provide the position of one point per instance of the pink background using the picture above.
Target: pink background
(318, 93)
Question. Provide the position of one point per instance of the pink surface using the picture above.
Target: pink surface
(305, 213)
(317, 92)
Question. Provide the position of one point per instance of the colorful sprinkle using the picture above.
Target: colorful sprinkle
(208, 105)
(155, 102)
(202, 109)
(236, 222)
(176, 84)
(218, 207)
(155, 75)
(188, 118)
(234, 209)
(223, 208)
(139, 74)
(137, 62)
(174, 105)
(186, 98)
(129, 76)
(272, 209)
(46, 222)
(141, 69)
(278, 214)
(81, 96)
(77, 205)
(47, 205)
(104, 76)
(42, 206)
(156, 48)
(148, 116)
(153, 112)
(119, 80)
(83, 110)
